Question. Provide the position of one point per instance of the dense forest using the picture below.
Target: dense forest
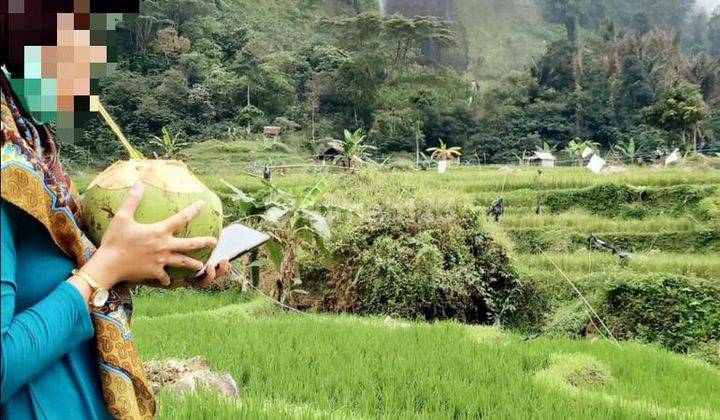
(642, 76)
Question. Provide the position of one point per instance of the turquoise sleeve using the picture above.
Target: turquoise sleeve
(40, 335)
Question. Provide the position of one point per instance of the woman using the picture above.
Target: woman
(65, 353)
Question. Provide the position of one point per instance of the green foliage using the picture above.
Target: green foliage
(169, 144)
(629, 151)
(295, 220)
(419, 261)
(674, 311)
(577, 147)
(710, 206)
(252, 117)
(201, 67)
(353, 148)
(566, 240)
(615, 200)
(680, 107)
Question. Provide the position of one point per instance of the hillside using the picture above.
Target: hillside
(494, 36)
(503, 35)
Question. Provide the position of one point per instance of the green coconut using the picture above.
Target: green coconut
(169, 188)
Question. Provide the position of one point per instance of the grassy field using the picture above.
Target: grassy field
(312, 366)
(340, 366)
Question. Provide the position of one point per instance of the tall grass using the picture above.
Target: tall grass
(705, 266)
(591, 224)
(294, 366)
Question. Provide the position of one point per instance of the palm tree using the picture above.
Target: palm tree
(444, 153)
(352, 147)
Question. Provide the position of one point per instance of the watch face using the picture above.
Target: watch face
(100, 297)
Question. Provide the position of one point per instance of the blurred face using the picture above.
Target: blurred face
(59, 81)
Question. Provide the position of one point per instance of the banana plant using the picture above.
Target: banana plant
(445, 153)
(353, 148)
(576, 148)
(169, 144)
(296, 221)
(425, 162)
(630, 151)
(545, 147)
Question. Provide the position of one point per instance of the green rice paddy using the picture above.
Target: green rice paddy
(290, 365)
(311, 366)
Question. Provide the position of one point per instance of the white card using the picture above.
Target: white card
(596, 164)
(673, 157)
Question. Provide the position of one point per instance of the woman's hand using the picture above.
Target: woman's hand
(211, 275)
(136, 252)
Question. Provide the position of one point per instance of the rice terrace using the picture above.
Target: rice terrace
(361, 209)
(537, 353)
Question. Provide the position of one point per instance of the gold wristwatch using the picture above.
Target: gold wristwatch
(99, 296)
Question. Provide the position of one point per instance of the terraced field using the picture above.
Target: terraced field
(342, 367)
(554, 363)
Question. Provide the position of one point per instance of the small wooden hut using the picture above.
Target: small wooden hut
(538, 158)
(330, 154)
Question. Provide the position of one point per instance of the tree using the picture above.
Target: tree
(170, 43)
(629, 151)
(353, 149)
(569, 13)
(295, 220)
(679, 109)
(714, 34)
(444, 153)
(704, 72)
(169, 144)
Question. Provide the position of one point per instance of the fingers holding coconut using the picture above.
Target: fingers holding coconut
(130, 212)
(183, 261)
(192, 244)
(132, 202)
(182, 218)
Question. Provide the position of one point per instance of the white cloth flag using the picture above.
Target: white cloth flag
(587, 152)
(673, 157)
(596, 164)
(442, 166)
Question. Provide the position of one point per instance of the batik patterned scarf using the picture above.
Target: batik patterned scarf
(33, 180)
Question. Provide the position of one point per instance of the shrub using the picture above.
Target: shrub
(624, 201)
(675, 311)
(420, 261)
(680, 313)
(710, 207)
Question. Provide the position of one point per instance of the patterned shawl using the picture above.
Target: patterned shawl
(33, 180)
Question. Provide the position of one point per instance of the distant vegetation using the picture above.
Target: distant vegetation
(498, 78)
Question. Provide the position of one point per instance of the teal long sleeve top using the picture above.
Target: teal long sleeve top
(49, 368)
